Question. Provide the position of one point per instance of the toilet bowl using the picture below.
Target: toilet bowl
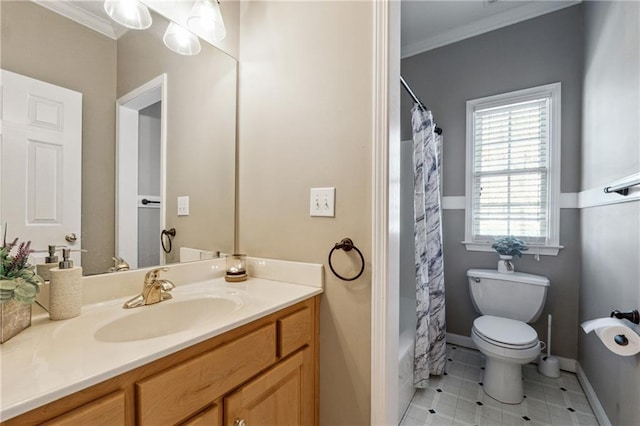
(507, 303)
(507, 345)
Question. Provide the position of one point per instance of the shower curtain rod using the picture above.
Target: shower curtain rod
(413, 95)
(418, 101)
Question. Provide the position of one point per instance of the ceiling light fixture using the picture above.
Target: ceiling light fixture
(130, 13)
(180, 40)
(206, 20)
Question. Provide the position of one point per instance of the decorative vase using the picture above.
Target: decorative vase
(14, 317)
(505, 265)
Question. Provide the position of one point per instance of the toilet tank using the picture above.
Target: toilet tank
(517, 296)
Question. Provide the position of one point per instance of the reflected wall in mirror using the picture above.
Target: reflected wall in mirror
(200, 123)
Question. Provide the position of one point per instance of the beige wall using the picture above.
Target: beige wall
(43, 45)
(231, 14)
(306, 121)
(201, 130)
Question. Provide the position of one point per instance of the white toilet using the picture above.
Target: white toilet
(507, 303)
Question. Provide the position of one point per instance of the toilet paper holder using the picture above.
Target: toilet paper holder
(633, 316)
(616, 334)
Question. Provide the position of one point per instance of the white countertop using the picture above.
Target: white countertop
(53, 359)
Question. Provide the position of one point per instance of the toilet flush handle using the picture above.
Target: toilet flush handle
(476, 279)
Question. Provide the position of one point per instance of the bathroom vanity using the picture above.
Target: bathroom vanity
(255, 362)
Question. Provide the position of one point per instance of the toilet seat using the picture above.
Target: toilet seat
(505, 333)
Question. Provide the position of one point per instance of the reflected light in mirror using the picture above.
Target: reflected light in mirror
(180, 40)
(206, 19)
(130, 13)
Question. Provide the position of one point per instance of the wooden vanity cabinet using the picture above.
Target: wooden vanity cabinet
(263, 373)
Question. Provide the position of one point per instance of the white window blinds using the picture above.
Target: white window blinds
(510, 170)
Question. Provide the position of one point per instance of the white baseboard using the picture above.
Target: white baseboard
(460, 340)
(566, 364)
(597, 408)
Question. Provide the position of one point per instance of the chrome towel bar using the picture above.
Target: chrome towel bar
(623, 188)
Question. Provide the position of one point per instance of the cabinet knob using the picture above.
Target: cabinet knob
(71, 238)
(240, 422)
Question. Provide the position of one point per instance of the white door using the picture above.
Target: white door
(40, 163)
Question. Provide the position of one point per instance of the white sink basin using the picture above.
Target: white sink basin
(168, 317)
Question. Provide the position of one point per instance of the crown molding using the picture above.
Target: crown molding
(503, 19)
(81, 16)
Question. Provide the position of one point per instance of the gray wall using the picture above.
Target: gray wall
(543, 50)
(610, 151)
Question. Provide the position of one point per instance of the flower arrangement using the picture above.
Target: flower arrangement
(509, 246)
(18, 279)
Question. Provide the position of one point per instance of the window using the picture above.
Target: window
(513, 169)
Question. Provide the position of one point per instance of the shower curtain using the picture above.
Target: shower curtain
(430, 356)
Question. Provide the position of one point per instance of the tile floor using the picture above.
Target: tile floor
(457, 398)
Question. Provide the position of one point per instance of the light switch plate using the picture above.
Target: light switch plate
(183, 206)
(323, 202)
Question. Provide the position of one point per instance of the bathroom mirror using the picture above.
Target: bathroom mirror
(197, 118)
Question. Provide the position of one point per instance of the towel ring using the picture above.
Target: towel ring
(346, 244)
(170, 233)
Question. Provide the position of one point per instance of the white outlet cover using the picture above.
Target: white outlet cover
(322, 202)
(183, 206)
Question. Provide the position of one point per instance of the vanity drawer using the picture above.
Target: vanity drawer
(294, 331)
(108, 411)
(175, 394)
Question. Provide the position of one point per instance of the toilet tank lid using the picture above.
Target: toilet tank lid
(520, 277)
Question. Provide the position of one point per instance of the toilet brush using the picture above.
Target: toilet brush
(548, 365)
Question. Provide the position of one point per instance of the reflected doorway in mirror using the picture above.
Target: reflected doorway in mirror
(141, 158)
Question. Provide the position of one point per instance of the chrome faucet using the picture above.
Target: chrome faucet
(154, 290)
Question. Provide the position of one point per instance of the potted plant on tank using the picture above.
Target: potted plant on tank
(19, 285)
(507, 247)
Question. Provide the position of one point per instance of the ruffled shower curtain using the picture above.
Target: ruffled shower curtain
(430, 355)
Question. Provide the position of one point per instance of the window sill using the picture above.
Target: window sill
(533, 250)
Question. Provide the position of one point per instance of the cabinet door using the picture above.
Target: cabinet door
(208, 417)
(277, 397)
(107, 411)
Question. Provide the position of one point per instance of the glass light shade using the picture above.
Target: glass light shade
(180, 40)
(206, 20)
(130, 13)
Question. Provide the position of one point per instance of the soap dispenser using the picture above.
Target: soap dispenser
(50, 262)
(65, 297)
